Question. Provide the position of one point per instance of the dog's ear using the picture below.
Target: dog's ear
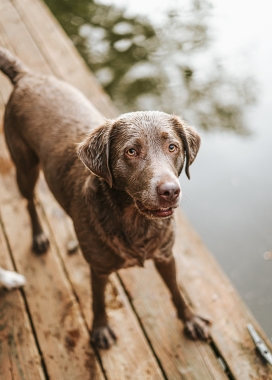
(94, 151)
(190, 138)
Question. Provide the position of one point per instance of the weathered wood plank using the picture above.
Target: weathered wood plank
(60, 329)
(210, 290)
(5, 85)
(211, 293)
(19, 357)
(17, 35)
(56, 47)
(16, 337)
(61, 332)
(179, 356)
(59, 326)
(5, 90)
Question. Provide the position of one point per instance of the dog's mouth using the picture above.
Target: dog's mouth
(163, 212)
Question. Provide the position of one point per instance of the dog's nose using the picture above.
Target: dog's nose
(168, 191)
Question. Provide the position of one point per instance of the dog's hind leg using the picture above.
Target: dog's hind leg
(27, 176)
(27, 173)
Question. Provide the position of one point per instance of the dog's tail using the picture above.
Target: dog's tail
(11, 65)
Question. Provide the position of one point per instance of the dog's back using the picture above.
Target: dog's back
(44, 120)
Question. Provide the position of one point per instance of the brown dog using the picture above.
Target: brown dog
(121, 200)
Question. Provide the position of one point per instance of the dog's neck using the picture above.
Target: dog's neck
(120, 224)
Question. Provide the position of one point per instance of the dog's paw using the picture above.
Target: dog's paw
(103, 337)
(11, 280)
(197, 327)
(40, 243)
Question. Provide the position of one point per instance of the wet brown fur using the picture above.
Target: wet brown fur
(50, 125)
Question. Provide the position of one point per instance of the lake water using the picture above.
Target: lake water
(211, 63)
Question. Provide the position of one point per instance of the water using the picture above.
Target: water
(210, 62)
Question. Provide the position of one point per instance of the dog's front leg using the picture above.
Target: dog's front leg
(195, 325)
(102, 335)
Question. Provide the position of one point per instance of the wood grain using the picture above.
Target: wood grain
(19, 357)
(57, 48)
(61, 332)
(179, 356)
(211, 291)
(62, 335)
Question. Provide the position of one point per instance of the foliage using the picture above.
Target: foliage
(157, 66)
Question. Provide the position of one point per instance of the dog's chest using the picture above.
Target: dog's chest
(139, 242)
(135, 252)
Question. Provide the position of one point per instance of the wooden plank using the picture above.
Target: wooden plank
(56, 47)
(179, 356)
(131, 357)
(60, 329)
(16, 34)
(19, 357)
(5, 85)
(211, 293)
(210, 290)
(5, 90)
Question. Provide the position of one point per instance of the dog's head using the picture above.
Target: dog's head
(143, 153)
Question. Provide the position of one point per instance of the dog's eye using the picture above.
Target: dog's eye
(172, 148)
(131, 152)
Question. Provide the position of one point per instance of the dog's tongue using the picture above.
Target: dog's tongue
(162, 213)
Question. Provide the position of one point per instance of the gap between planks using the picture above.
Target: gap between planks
(19, 355)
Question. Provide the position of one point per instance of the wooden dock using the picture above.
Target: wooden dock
(45, 328)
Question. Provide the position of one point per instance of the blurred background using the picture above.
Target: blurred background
(209, 61)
